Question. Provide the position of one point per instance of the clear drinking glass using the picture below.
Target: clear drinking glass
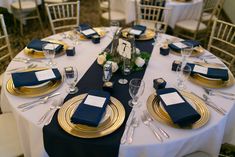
(158, 33)
(185, 53)
(114, 26)
(136, 89)
(71, 77)
(182, 72)
(49, 52)
(126, 70)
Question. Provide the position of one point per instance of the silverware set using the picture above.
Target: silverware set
(127, 128)
(26, 60)
(226, 95)
(148, 121)
(29, 105)
(22, 68)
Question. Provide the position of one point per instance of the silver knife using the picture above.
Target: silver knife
(129, 120)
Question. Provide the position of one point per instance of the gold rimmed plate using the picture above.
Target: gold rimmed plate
(197, 51)
(39, 54)
(147, 35)
(99, 30)
(114, 119)
(158, 112)
(210, 82)
(33, 91)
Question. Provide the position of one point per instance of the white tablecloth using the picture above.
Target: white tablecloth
(180, 11)
(209, 138)
(7, 3)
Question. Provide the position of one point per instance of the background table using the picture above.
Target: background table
(180, 10)
(209, 138)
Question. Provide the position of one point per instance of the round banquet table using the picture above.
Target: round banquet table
(180, 10)
(208, 138)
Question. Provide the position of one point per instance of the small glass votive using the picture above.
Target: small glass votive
(95, 39)
(159, 83)
(175, 64)
(70, 51)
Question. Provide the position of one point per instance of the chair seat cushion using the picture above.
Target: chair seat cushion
(191, 25)
(9, 141)
(54, 1)
(207, 16)
(104, 5)
(24, 5)
(115, 15)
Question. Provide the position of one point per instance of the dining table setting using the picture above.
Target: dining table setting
(112, 91)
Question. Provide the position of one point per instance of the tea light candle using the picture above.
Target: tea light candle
(164, 50)
(175, 64)
(159, 83)
(96, 39)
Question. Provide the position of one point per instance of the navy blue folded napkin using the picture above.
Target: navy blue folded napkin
(137, 30)
(179, 110)
(87, 30)
(192, 43)
(209, 72)
(30, 78)
(91, 109)
(37, 44)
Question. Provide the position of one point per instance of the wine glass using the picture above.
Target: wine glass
(71, 77)
(49, 52)
(158, 33)
(136, 89)
(114, 26)
(182, 72)
(185, 53)
(126, 70)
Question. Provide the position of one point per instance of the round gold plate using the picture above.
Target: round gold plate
(39, 54)
(212, 83)
(197, 51)
(107, 127)
(29, 91)
(159, 114)
(99, 30)
(149, 34)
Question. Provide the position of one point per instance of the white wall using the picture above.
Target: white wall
(229, 8)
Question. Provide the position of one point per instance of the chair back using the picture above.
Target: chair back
(152, 15)
(63, 16)
(222, 42)
(212, 8)
(5, 49)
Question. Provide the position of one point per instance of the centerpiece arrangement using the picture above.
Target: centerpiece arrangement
(121, 51)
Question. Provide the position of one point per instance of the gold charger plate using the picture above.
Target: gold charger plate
(107, 127)
(197, 51)
(148, 34)
(39, 54)
(99, 30)
(33, 91)
(159, 114)
(210, 82)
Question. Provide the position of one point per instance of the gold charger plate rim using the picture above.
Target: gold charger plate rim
(64, 119)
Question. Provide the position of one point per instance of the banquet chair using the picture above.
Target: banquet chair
(55, 1)
(151, 16)
(112, 15)
(222, 42)
(9, 140)
(193, 29)
(104, 5)
(63, 16)
(5, 48)
(26, 10)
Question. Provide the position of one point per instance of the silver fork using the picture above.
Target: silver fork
(134, 124)
(147, 123)
(219, 93)
(40, 100)
(163, 132)
(22, 68)
(26, 60)
(207, 99)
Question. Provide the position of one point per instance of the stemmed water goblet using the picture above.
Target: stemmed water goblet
(158, 34)
(114, 26)
(185, 53)
(126, 70)
(182, 72)
(49, 52)
(136, 89)
(71, 77)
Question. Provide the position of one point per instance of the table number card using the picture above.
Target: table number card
(180, 45)
(124, 48)
(200, 69)
(172, 98)
(45, 75)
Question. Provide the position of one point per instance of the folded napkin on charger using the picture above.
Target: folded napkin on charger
(179, 110)
(37, 44)
(215, 73)
(91, 109)
(137, 30)
(36, 77)
(182, 44)
(87, 30)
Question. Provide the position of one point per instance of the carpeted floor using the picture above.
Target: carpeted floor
(89, 14)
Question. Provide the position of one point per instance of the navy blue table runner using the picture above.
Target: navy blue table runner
(59, 143)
